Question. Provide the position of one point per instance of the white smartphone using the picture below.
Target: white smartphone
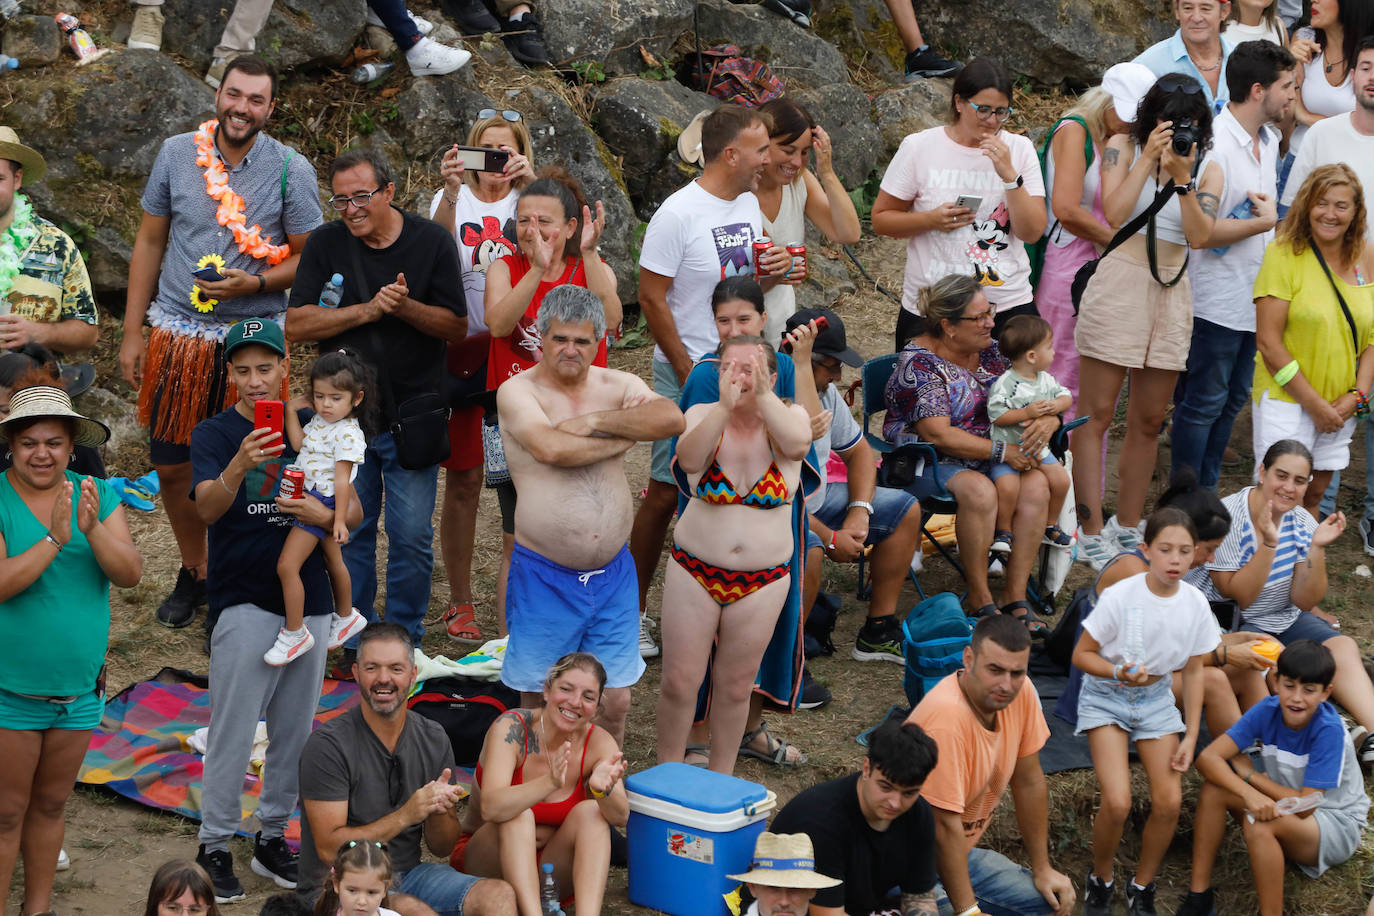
(971, 201)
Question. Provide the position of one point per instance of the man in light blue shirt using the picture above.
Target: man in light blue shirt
(1196, 48)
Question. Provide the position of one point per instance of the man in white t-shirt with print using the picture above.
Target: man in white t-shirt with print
(702, 234)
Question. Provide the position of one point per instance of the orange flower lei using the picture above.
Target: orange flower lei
(250, 240)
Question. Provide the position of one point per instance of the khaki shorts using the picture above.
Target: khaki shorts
(1128, 319)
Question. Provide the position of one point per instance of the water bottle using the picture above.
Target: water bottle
(9, 9)
(332, 292)
(549, 902)
(7, 62)
(1306, 33)
(369, 72)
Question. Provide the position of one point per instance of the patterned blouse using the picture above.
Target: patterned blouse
(923, 385)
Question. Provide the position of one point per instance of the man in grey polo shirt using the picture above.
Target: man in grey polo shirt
(265, 203)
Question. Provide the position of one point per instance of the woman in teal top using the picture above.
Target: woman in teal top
(63, 540)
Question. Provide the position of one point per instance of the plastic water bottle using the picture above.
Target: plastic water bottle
(1306, 33)
(8, 63)
(550, 904)
(9, 9)
(332, 292)
(369, 72)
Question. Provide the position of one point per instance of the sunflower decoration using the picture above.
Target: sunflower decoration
(202, 302)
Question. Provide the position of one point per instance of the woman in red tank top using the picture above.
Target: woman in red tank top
(548, 785)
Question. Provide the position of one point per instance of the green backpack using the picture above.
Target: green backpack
(1036, 250)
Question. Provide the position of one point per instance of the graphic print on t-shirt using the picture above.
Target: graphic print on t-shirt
(489, 241)
(260, 487)
(734, 247)
(989, 240)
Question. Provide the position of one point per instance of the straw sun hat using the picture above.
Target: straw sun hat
(784, 860)
(28, 158)
(43, 401)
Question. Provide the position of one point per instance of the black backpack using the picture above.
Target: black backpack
(465, 707)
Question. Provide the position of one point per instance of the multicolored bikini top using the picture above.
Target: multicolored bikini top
(768, 492)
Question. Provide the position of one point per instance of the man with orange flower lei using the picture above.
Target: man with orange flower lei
(227, 197)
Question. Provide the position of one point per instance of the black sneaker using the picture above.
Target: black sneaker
(813, 694)
(926, 62)
(881, 643)
(799, 11)
(1366, 752)
(1097, 896)
(472, 16)
(525, 41)
(1140, 901)
(219, 865)
(274, 860)
(1197, 903)
(180, 607)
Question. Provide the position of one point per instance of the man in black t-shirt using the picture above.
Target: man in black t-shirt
(402, 302)
(872, 829)
(235, 471)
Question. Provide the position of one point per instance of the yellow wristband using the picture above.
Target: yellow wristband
(1286, 374)
(595, 793)
(972, 911)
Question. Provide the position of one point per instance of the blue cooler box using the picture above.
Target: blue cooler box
(688, 829)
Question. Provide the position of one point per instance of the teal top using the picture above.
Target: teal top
(53, 634)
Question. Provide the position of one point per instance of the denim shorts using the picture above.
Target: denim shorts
(890, 506)
(1142, 712)
(22, 713)
(661, 454)
(1307, 626)
(1001, 468)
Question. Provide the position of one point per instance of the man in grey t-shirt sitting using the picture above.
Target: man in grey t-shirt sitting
(378, 774)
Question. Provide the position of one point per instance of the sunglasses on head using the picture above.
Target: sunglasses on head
(1186, 86)
(508, 114)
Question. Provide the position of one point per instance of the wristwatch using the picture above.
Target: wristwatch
(861, 504)
(1013, 185)
(1180, 190)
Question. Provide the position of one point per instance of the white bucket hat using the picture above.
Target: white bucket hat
(784, 860)
(42, 401)
(1127, 84)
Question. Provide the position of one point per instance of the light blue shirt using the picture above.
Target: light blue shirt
(1171, 56)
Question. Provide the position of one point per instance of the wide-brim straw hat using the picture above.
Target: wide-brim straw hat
(785, 860)
(44, 402)
(27, 157)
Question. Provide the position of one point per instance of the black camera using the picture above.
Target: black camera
(1186, 134)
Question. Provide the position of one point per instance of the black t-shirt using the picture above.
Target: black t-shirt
(344, 760)
(870, 862)
(407, 361)
(247, 540)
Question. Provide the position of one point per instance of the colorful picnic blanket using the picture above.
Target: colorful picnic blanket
(140, 750)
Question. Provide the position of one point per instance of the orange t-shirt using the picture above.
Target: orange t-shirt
(975, 764)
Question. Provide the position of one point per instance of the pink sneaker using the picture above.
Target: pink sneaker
(289, 647)
(342, 629)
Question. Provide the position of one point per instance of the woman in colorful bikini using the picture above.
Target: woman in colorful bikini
(547, 789)
(732, 549)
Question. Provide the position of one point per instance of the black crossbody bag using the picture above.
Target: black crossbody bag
(1085, 273)
(1345, 309)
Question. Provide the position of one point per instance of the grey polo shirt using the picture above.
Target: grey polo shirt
(176, 189)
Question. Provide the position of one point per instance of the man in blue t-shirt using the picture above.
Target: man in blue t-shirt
(235, 470)
(1290, 746)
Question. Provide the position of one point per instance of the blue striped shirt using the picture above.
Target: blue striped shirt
(1273, 611)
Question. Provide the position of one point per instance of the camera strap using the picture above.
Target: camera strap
(1169, 190)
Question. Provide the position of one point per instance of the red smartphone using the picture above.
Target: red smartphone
(821, 324)
(268, 415)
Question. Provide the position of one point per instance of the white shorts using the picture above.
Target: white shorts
(1273, 420)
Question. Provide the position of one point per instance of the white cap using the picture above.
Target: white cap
(1127, 83)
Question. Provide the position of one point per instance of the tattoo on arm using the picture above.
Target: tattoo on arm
(1208, 203)
(516, 733)
(1110, 158)
(919, 904)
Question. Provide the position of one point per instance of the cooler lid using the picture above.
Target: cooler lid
(696, 788)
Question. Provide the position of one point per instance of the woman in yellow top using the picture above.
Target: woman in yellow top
(1316, 361)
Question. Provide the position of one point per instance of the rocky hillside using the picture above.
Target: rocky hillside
(612, 118)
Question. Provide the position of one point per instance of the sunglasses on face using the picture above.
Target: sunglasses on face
(508, 114)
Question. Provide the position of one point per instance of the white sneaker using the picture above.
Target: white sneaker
(342, 629)
(429, 58)
(146, 32)
(289, 646)
(1097, 550)
(423, 25)
(1126, 537)
(215, 75)
(63, 863)
(647, 647)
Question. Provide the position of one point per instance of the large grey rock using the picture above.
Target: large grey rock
(434, 114)
(640, 120)
(119, 415)
(909, 108)
(863, 32)
(795, 56)
(611, 32)
(846, 114)
(34, 41)
(298, 33)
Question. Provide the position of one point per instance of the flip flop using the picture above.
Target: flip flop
(462, 623)
(987, 610)
(1036, 626)
(778, 755)
(136, 494)
(701, 750)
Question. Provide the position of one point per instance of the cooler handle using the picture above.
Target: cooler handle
(768, 804)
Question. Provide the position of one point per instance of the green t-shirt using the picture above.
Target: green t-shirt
(1317, 333)
(54, 633)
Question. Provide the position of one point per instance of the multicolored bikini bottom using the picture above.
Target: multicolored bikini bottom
(727, 586)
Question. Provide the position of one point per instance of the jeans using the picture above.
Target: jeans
(396, 18)
(441, 887)
(1221, 368)
(1002, 887)
(409, 532)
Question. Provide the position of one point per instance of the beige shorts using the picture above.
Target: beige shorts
(1128, 319)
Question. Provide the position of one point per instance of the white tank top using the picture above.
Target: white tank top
(1168, 221)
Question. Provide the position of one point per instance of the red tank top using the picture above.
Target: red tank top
(549, 814)
(520, 350)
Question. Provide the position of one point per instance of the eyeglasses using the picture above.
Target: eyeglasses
(512, 116)
(1185, 86)
(340, 202)
(168, 908)
(831, 365)
(984, 112)
(987, 317)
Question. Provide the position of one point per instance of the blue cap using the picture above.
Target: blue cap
(337, 279)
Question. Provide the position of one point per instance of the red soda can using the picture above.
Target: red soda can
(292, 482)
(798, 253)
(762, 246)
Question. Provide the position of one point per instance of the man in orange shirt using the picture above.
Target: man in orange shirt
(989, 732)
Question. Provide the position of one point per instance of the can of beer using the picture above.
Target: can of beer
(292, 482)
(798, 269)
(762, 246)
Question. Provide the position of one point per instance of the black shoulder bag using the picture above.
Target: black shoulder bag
(1085, 273)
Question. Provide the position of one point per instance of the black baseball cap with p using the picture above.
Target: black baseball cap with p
(265, 332)
(830, 341)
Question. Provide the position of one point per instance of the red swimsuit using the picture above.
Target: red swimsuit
(549, 814)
